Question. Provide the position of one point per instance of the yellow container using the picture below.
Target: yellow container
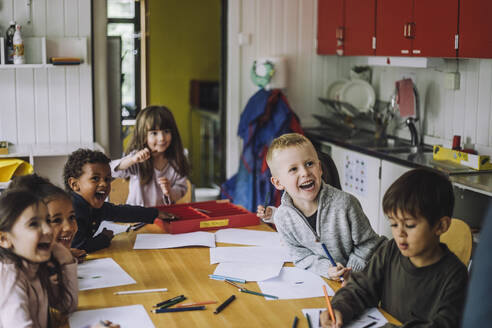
(4, 148)
(10, 167)
(477, 162)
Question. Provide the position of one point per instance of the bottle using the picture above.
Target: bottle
(9, 43)
(18, 46)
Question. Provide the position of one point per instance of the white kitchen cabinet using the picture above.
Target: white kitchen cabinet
(389, 173)
(359, 176)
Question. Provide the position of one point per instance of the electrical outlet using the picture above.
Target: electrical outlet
(452, 81)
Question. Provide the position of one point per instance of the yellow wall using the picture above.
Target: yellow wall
(183, 44)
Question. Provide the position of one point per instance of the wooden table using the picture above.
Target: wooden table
(185, 271)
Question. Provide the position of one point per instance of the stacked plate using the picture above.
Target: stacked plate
(357, 93)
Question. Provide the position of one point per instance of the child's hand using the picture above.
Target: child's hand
(326, 320)
(141, 156)
(264, 214)
(107, 233)
(105, 323)
(53, 275)
(346, 276)
(79, 254)
(166, 216)
(335, 272)
(165, 185)
(62, 254)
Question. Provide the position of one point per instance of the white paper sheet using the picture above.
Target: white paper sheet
(102, 273)
(295, 283)
(248, 237)
(159, 240)
(126, 316)
(249, 254)
(249, 271)
(371, 315)
(115, 227)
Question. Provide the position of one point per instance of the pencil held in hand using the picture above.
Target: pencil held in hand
(328, 304)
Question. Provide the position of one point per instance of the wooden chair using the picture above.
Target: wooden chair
(459, 240)
(188, 196)
(119, 192)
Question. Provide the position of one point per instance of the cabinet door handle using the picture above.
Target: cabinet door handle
(405, 30)
(340, 33)
(411, 30)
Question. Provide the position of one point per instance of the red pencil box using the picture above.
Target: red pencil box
(203, 216)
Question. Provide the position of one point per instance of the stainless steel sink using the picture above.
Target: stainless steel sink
(402, 150)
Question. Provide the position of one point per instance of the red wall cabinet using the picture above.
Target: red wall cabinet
(330, 26)
(360, 27)
(416, 28)
(475, 34)
(346, 27)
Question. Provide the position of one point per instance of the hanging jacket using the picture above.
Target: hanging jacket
(267, 115)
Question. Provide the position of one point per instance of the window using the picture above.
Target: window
(124, 21)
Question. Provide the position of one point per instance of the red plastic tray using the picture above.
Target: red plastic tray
(203, 216)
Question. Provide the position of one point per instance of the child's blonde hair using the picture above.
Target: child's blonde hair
(285, 141)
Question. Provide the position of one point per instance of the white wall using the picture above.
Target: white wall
(288, 28)
(47, 105)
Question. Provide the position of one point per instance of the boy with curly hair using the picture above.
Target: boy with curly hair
(87, 177)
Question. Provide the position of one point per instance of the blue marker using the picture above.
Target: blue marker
(332, 261)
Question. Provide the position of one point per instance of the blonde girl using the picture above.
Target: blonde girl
(155, 162)
(27, 245)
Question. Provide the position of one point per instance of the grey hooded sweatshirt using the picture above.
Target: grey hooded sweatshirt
(340, 224)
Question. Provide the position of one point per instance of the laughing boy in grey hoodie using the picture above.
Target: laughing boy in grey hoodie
(313, 213)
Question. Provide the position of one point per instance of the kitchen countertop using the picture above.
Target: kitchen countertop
(364, 142)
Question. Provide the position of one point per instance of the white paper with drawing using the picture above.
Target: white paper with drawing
(368, 317)
(295, 283)
(102, 273)
(159, 240)
(249, 254)
(249, 271)
(248, 237)
(125, 316)
(115, 227)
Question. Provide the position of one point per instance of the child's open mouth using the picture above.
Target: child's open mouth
(65, 240)
(101, 195)
(307, 185)
(44, 246)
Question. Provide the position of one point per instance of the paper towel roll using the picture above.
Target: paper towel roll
(279, 78)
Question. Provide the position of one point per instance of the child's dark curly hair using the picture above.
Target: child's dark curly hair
(77, 160)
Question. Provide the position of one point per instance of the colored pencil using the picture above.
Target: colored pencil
(244, 290)
(309, 320)
(332, 261)
(195, 304)
(219, 277)
(141, 291)
(170, 300)
(328, 304)
(294, 324)
(194, 308)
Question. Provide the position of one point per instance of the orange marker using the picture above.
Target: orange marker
(330, 309)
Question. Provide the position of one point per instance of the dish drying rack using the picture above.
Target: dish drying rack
(348, 116)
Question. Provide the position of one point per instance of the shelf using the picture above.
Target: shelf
(39, 50)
